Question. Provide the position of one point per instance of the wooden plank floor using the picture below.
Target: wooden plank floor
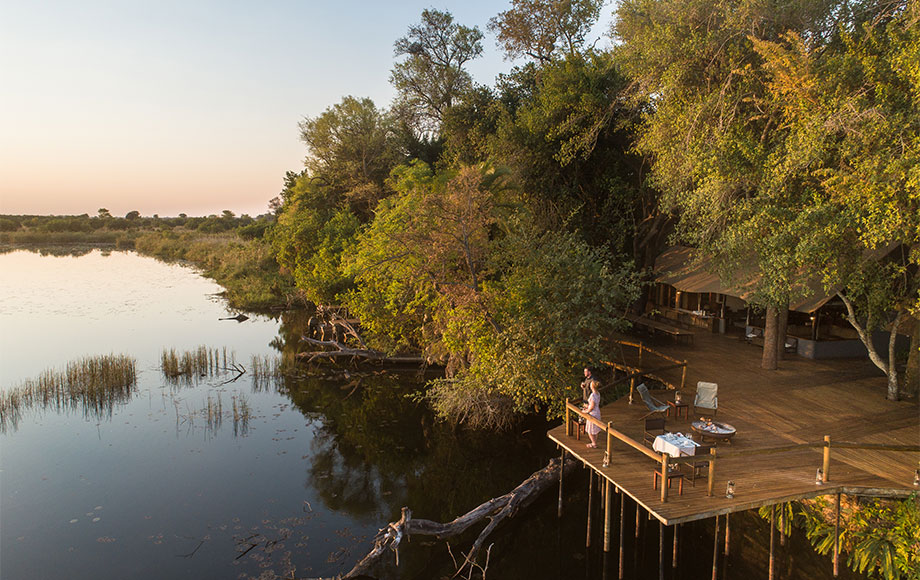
(801, 402)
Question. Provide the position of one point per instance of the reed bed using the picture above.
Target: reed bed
(268, 372)
(192, 365)
(94, 384)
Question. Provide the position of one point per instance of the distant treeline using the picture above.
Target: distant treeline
(106, 227)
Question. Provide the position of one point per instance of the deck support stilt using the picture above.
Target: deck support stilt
(660, 550)
(590, 508)
(772, 533)
(622, 526)
(782, 525)
(607, 514)
(561, 471)
(674, 548)
(715, 551)
(638, 508)
(727, 535)
(837, 537)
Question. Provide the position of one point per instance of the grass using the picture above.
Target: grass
(191, 365)
(95, 384)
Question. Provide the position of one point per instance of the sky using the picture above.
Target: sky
(190, 106)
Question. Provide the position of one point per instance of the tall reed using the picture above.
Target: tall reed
(95, 384)
(192, 365)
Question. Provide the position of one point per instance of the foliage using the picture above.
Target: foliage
(537, 28)
(432, 77)
(352, 150)
(882, 537)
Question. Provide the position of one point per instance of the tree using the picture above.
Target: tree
(538, 28)
(132, 215)
(351, 152)
(104, 213)
(431, 78)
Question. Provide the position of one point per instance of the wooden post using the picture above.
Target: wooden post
(561, 471)
(637, 520)
(826, 466)
(590, 508)
(568, 422)
(727, 534)
(712, 470)
(683, 376)
(660, 550)
(664, 477)
(674, 548)
(772, 533)
(640, 355)
(622, 526)
(632, 389)
(837, 536)
(715, 551)
(607, 514)
(782, 525)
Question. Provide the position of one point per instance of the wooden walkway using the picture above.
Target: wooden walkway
(802, 402)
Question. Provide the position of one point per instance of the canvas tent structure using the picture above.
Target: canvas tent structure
(689, 293)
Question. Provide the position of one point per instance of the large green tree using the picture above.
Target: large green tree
(431, 76)
(539, 29)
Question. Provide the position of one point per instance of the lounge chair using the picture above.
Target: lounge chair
(653, 404)
(707, 397)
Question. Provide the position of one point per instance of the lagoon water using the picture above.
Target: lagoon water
(155, 488)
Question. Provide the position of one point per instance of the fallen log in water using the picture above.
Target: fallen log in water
(496, 510)
(342, 350)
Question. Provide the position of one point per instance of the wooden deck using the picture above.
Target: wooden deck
(802, 402)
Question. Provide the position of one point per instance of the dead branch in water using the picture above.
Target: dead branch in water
(343, 350)
(497, 510)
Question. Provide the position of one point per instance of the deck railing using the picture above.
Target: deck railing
(715, 457)
(643, 353)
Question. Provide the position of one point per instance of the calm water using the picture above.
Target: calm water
(153, 489)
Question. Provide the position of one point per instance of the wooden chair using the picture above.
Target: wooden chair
(653, 404)
(672, 474)
(696, 468)
(654, 426)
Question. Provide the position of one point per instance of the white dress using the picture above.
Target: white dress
(595, 412)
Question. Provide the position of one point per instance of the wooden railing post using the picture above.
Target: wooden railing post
(568, 423)
(827, 459)
(712, 469)
(632, 388)
(664, 477)
(683, 377)
(640, 354)
(609, 444)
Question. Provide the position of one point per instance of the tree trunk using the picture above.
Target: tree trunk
(865, 335)
(771, 321)
(782, 323)
(912, 373)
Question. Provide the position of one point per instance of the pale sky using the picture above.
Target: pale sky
(167, 106)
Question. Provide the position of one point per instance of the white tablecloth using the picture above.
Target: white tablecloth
(675, 444)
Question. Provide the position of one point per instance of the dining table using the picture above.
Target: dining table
(675, 444)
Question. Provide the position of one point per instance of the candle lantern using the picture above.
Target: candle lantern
(819, 477)
(730, 490)
(677, 396)
(917, 477)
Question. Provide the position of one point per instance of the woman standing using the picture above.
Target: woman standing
(593, 408)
